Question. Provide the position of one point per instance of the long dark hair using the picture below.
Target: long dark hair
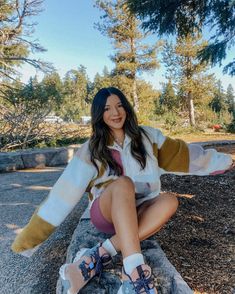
(101, 133)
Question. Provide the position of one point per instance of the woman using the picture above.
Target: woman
(121, 165)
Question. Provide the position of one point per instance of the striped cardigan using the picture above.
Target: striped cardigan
(165, 155)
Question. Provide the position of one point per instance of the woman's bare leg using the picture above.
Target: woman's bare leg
(156, 213)
(117, 204)
(152, 215)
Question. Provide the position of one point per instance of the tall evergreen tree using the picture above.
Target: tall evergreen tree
(147, 99)
(184, 68)
(131, 55)
(75, 94)
(230, 99)
(182, 17)
(218, 103)
(53, 89)
(168, 98)
(100, 81)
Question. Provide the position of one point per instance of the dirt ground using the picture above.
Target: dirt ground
(199, 239)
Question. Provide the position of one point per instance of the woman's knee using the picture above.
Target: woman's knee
(124, 188)
(170, 200)
(173, 201)
(124, 182)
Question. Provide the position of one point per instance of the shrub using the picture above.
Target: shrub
(231, 127)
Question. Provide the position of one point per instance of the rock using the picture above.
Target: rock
(10, 161)
(63, 156)
(167, 279)
(214, 143)
(39, 158)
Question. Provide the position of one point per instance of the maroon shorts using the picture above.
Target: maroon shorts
(98, 219)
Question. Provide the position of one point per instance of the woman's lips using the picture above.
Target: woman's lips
(117, 120)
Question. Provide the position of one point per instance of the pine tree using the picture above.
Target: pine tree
(218, 103)
(230, 99)
(168, 98)
(100, 81)
(187, 72)
(75, 94)
(147, 99)
(182, 17)
(131, 56)
(53, 88)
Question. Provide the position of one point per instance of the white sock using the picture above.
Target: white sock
(132, 261)
(108, 246)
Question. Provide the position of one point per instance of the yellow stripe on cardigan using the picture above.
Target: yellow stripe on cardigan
(173, 156)
(99, 186)
(104, 184)
(36, 231)
(155, 150)
(91, 184)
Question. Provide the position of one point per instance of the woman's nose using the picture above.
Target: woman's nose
(115, 111)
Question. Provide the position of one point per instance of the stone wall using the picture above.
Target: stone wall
(38, 158)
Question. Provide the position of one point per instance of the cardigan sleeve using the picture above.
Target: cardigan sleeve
(176, 156)
(62, 198)
(207, 161)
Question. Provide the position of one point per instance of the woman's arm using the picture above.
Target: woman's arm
(207, 161)
(176, 156)
(219, 172)
(64, 195)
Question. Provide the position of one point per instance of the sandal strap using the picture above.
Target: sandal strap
(142, 284)
(97, 263)
(86, 269)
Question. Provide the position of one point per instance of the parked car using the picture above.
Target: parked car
(53, 119)
(85, 120)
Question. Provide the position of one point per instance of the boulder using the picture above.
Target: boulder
(10, 161)
(166, 277)
(38, 158)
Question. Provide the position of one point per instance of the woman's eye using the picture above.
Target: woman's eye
(120, 105)
(106, 109)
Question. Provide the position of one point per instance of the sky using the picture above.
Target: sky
(66, 29)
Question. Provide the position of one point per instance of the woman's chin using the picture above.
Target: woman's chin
(116, 126)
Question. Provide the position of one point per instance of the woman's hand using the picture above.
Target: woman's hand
(220, 172)
(232, 166)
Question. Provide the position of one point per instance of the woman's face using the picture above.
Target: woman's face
(114, 114)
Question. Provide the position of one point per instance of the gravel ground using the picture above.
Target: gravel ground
(20, 193)
(199, 239)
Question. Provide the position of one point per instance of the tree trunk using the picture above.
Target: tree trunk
(135, 97)
(191, 109)
(133, 74)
